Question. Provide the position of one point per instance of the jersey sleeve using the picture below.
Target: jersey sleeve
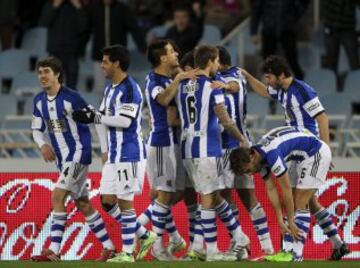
(129, 104)
(313, 107)
(276, 163)
(37, 122)
(217, 96)
(273, 92)
(155, 91)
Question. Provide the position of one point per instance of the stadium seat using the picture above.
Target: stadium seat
(322, 80)
(337, 103)
(35, 41)
(352, 83)
(257, 105)
(211, 35)
(352, 149)
(8, 105)
(13, 62)
(92, 98)
(138, 62)
(25, 82)
(156, 32)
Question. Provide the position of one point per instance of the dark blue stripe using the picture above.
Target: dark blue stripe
(209, 230)
(199, 232)
(210, 239)
(226, 219)
(56, 239)
(233, 227)
(147, 213)
(324, 216)
(259, 221)
(303, 218)
(171, 229)
(160, 225)
(128, 220)
(326, 224)
(128, 242)
(262, 231)
(98, 228)
(128, 230)
(302, 227)
(288, 238)
(57, 227)
(332, 233)
(159, 214)
(208, 221)
(104, 238)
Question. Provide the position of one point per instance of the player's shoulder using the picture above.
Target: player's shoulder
(70, 93)
(39, 96)
(303, 89)
(155, 80)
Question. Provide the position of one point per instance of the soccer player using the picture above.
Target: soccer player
(200, 108)
(120, 115)
(161, 162)
(302, 108)
(235, 100)
(70, 147)
(270, 154)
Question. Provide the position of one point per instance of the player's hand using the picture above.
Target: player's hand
(104, 157)
(86, 116)
(294, 230)
(255, 39)
(244, 144)
(191, 74)
(218, 84)
(284, 229)
(57, 3)
(48, 153)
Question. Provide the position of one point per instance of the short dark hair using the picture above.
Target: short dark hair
(276, 65)
(238, 158)
(158, 49)
(54, 64)
(118, 53)
(203, 54)
(224, 56)
(187, 60)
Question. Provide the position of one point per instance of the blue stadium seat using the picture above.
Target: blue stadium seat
(157, 32)
(14, 61)
(337, 103)
(257, 105)
(8, 105)
(34, 41)
(211, 35)
(92, 98)
(322, 80)
(25, 81)
(352, 83)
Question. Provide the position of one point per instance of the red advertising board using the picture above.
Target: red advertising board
(25, 210)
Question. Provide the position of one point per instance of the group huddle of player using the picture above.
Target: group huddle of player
(198, 151)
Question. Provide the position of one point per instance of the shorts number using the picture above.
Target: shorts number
(125, 174)
(302, 174)
(190, 101)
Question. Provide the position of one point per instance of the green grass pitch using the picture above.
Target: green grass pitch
(155, 264)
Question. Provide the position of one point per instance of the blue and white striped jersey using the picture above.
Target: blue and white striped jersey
(124, 144)
(236, 105)
(161, 134)
(301, 105)
(70, 140)
(286, 143)
(200, 135)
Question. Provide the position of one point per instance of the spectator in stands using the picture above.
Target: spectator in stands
(110, 22)
(279, 19)
(8, 9)
(66, 23)
(226, 14)
(186, 33)
(339, 29)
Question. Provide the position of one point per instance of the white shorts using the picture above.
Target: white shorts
(205, 174)
(161, 168)
(120, 179)
(227, 176)
(182, 178)
(311, 173)
(73, 178)
(245, 181)
(141, 170)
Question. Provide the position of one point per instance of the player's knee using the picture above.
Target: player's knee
(84, 205)
(58, 197)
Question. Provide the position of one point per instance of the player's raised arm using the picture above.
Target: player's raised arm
(259, 87)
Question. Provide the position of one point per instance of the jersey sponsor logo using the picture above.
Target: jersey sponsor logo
(57, 125)
(314, 106)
